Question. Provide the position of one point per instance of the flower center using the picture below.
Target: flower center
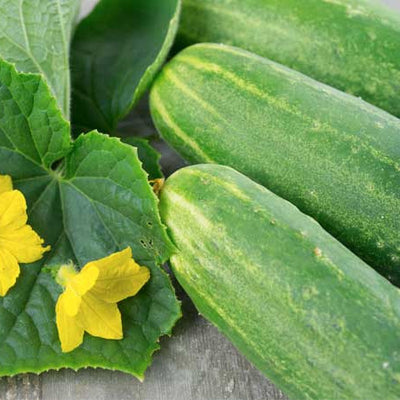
(65, 274)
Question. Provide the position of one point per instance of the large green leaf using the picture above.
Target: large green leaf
(116, 52)
(35, 35)
(149, 157)
(87, 199)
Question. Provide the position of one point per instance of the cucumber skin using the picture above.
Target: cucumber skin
(353, 45)
(312, 316)
(334, 156)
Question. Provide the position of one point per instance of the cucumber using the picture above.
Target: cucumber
(312, 316)
(334, 156)
(353, 45)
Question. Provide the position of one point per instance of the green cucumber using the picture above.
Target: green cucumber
(353, 45)
(334, 156)
(312, 316)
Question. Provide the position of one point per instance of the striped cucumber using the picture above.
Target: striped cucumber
(353, 45)
(334, 156)
(313, 317)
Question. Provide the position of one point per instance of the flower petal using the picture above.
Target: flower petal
(12, 210)
(90, 298)
(76, 287)
(69, 330)
(5, 184)
(100, 318)
(76, 284)
(9, 271)
(119, 277)
(72, 301)
(84, 280)
(24, 243)
(15, 236)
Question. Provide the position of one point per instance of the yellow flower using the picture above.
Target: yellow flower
(19, 243)
(89, 302)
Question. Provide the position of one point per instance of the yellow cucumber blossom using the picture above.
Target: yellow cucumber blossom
(19, 243)
(89, 302)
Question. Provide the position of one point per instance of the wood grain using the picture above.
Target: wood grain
(197, 363)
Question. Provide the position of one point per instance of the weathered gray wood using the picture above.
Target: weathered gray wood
(197, 363)
(393, 3)
(22, 387)
(87, 5)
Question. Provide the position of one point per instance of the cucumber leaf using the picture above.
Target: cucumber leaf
(35, 36)
(87, 199)
(116, 52)
(147, 155)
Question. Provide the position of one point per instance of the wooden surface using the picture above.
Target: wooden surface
(197, 363)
